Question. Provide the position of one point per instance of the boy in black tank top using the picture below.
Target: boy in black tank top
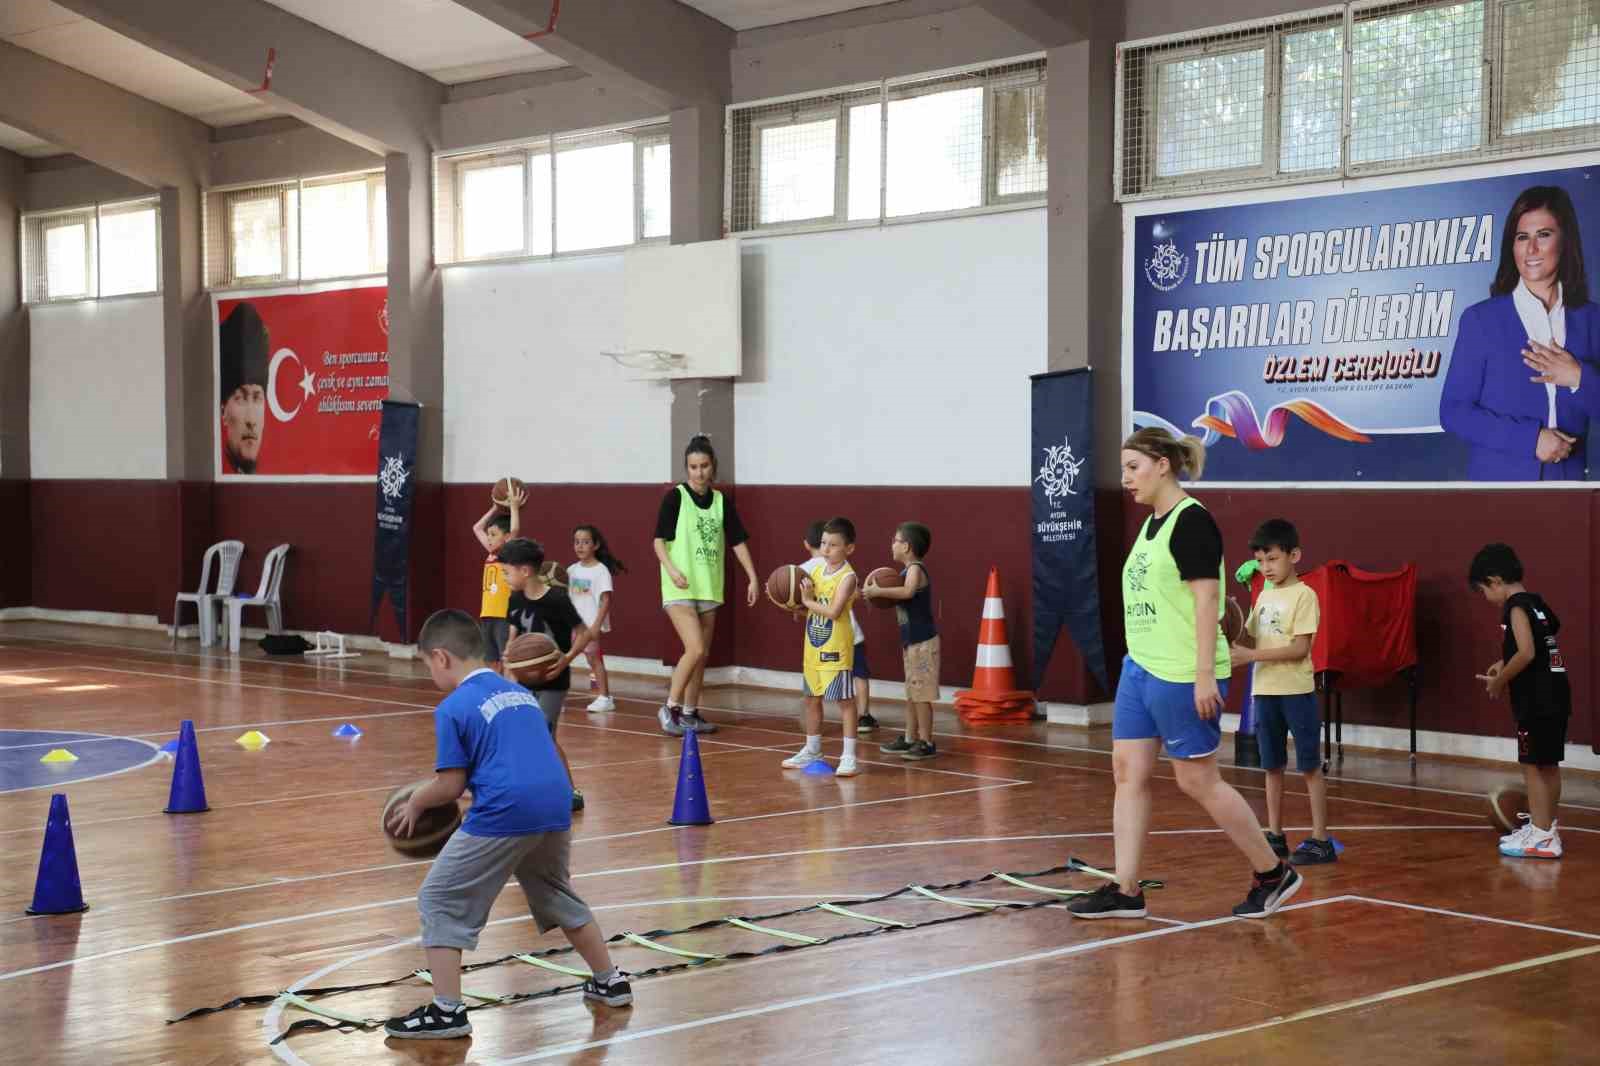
(1533, 671)
(919, 641)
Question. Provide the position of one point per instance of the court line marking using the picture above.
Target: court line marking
(1334, 1008)
(1476, 917)
(155, 756)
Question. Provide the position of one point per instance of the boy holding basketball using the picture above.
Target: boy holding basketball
(1282, 624)
(919, 640)
(860, 673)
(536, 606)
(1532, 670)
(492, 530)
(826, 595)
(491, 738)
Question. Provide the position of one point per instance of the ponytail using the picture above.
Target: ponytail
(1186, 455)
(602, 550)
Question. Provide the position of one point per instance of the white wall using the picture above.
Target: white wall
(526, 391)
(97, 403)
(893, 356)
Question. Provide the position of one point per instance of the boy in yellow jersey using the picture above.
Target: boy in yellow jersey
(830, 647)
(493, 530)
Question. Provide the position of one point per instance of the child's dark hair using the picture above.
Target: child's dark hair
(1275, 533)
(522, 552)
(499, 520)
(1494, 560)
(843, 527)
(700, 444)
(917, 536)
(602, 550)
(814, 533)
(456, 632)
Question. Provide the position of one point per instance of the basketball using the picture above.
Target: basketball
(885, 577)
(783, 587)
(428, 836)
(528, 656)
(503, 490)
(554, 574)
(1233, 619)
(1505, 803)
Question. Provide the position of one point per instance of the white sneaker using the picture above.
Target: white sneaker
(1516, 835)
(801, 759)
(602, 703)
(1535, 844)
(847, 767)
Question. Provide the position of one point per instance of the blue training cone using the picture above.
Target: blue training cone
(819, 768)
(348, 730)
(58, 890)
(188, 794)
(690, 806)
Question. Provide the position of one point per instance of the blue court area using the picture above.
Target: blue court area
(99, 755)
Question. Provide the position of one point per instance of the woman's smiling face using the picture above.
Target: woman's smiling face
(1537, 247)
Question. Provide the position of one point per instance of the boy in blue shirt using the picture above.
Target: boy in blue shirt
(492, 739)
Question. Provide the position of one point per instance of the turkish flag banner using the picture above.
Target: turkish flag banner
(301, 380)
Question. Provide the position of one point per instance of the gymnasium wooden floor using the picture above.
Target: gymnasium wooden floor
(1421, 945)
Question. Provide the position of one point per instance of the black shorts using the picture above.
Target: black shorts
(1542, 741)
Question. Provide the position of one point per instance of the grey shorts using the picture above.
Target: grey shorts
(466, 879)
(551, 701)
(496, 631)
(700, 606)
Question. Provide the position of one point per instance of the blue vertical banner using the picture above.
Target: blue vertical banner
(396, 492)
(1066, 587)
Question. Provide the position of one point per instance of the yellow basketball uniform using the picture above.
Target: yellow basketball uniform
(830, 642)
(496, 593)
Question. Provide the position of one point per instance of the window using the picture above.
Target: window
(906, 147)
(1421, 81)
(90, 252)
(568, 193)
(305, 230)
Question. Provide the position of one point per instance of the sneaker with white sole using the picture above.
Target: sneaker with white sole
(1107, 901)
(613, 993)
(692, 721)
(801, 759)
(430, 1022)
(1268, 892)
(1537, 844)
(847, 767)
(671, 720)
(602, 703)
(1516, 836)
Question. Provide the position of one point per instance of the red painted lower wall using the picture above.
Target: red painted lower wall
(158, 530)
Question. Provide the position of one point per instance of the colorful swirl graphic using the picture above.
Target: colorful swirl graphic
(1233, 415)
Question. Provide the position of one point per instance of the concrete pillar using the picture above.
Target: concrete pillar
(697, 173)
(14, 461)
(186, 316)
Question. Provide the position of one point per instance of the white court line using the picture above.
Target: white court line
(1334, 1008)
(155, 756)
(1477, 917)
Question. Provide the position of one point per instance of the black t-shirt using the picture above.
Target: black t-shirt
(667, 519)
(551, 614)
(1542, 689)
(1196, 543)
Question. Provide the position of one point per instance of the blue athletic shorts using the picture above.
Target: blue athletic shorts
(1276, 718)
(859, 668)
(1150, 707)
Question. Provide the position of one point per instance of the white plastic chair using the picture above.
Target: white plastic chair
(205, 598)
(266, 596)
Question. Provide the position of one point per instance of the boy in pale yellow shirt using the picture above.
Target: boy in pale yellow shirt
(1281, 626)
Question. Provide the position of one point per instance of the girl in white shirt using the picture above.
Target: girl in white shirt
(589, 584)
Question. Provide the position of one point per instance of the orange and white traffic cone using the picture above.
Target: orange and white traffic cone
(994, 696)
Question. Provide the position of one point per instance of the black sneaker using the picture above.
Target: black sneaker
(692, 721)
(1107, 901)
(866, 724)
(671, 720)
(1268, 892)
(921, 749)
(1313, 852)
(898, 746)
(430, 1022)
(1280, 844)
(614, 993)
(577, 800)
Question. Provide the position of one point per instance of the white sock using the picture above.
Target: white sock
(813, 744)
(607, 977)
(450, 1006)
(687, 708)
(849, 748)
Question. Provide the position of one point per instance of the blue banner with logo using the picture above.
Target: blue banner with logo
(1375, 336)
(1066, 587)
(396, 492)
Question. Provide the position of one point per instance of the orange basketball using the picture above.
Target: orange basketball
(783, 587)
(1506, 802)
(554, 574)
(431, 831)
(1233, 619)
(528, 657)
(885, 577)
(503, 490)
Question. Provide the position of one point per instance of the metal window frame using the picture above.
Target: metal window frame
(834, 111)
(90, 222)
(1269, 45)
(230, 199)
(498, 160)
(92, 213)
(991, 142)
(579, 142)
(642, 141)
(152, 203)
(1494, 55)
(291, 238)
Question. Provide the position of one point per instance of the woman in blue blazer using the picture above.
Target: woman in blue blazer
(1497, 391)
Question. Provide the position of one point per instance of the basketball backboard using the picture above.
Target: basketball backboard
(684, 299)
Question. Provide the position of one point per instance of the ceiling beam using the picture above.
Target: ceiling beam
(1049, 22)
(133, 136)
(660, 51)
(326, 80)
